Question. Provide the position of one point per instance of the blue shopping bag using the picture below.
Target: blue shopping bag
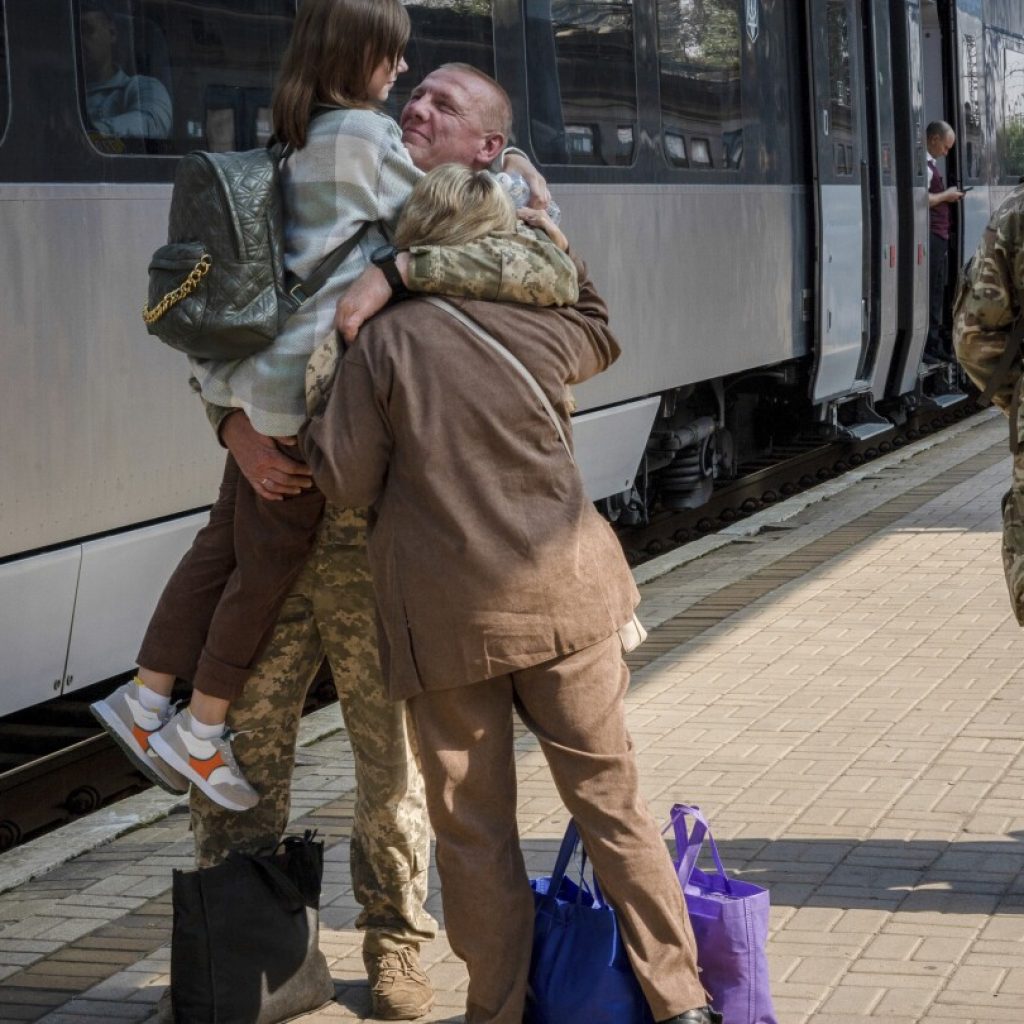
(579, 971)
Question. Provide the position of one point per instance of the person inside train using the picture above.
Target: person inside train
(118, 104)
(458, 113)
(940, 139)
(501, 588)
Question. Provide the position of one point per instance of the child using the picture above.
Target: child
(221, 603)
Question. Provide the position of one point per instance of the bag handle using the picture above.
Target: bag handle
(513, 361)
(570, 841)
(688, 845)
(275, 879)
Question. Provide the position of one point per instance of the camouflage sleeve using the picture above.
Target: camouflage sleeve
(986, 307)
(521, 266)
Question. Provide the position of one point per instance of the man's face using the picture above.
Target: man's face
(940, 145)
(98, 39)
(443, 124)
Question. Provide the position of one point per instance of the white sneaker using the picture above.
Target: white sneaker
(208, 764)
(131, 727)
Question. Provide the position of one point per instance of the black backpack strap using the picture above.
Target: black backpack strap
(301, 290)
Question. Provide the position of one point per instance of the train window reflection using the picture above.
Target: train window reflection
(699, 49)
(4, 88)
(675, 148)
(444, 31)
(842, 114)
(700, 152)
(581, 80)
(167, 76)
(970, 90)
(1011, 134)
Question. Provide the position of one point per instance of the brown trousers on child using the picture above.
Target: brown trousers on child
(574, 706)
(222, 601)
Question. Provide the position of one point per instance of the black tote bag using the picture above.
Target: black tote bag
(244, 947)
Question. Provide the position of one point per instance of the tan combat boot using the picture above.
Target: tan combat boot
(398, 987)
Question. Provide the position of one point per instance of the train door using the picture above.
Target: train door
(912, 189)
(967, 46)
(880, 267)
(840, 181)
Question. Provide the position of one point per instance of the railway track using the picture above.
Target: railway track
(56, 764)
(794, 468)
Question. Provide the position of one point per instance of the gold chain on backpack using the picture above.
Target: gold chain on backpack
(183, 291)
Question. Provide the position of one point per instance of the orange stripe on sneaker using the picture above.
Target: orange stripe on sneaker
(208, 767)
(141, 736)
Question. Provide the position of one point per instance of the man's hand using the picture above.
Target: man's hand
(540, 197)
(273, 476)
(368, 294)
(540, 219)
(949, 195)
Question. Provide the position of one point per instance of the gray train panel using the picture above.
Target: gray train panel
(686, 307)
(918, 335)
(977, 207)
(37, 603)
(841, 309)
(887, 251)
(120, 581)
(99, 425)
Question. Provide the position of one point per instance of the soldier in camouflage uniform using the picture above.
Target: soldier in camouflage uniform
(330, 611)
(988, 327)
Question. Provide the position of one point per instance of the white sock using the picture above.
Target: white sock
(201, 731)
(150, 699)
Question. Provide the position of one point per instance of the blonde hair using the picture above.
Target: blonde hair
(452, 205)
(335, 47)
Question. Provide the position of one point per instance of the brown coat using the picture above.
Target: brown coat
(487, 555)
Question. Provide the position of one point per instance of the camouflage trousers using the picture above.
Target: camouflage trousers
(1013, 534)
(331, 610)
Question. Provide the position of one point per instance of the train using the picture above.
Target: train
(745, 178)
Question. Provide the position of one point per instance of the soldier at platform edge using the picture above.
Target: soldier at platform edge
(988, 329)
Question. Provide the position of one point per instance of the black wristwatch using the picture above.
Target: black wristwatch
(384, 257)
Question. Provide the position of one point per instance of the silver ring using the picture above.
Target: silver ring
(265, 481)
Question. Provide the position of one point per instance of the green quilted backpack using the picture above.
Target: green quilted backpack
(218, 289)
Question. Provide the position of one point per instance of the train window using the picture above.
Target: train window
(581, 78)
(1011, 134)
(162, 77)
(444, 31)
(699, 48)
(4, 88)
(842, 115)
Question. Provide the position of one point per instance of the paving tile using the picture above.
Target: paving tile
(852, 718)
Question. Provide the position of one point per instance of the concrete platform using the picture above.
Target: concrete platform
(837, 682)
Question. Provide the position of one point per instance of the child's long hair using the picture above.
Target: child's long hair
(335, 47)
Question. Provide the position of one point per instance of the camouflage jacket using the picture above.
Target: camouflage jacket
(525, 267)
(991, 297)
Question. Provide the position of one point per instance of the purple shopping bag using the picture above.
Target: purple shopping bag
(730, 923)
